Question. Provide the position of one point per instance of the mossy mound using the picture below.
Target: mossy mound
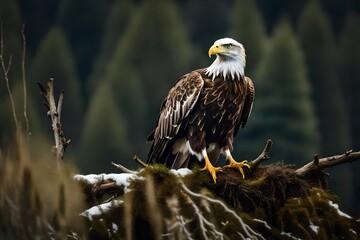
(272, 202)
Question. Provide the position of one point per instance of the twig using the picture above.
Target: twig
(246, 228)
(318, 164)
(139, 161)
(6, 71)
(122, 168)
(107, 186)
(24, 80)
(177, 225)
(54, 112)
(264, 155)
(205, 225)
(60, 101)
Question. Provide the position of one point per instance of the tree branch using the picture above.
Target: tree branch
(6, 72)
(122, 168)
(263, 156)
(24, 80)
(318, 164)
(54, 112)
(139, 161)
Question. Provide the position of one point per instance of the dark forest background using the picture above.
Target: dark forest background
(116, 60)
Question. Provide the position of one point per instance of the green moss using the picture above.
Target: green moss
(271, 201)
(200, 179)
(298, 215)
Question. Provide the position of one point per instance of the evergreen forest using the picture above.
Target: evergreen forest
(117, 59)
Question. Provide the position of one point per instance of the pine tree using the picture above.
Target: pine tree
(38, 19)
(11, 29)
(82, 22)
(206, 21)
(273, 11)
(283, 110)
(318, 43)
(119, 18)
(54, 60)
(247, 27)
(104, 135)
(11, 24)
(156, 48)
(130, 100)
(316, 38)
(349, 53)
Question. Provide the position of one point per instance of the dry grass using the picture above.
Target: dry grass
(37, 200)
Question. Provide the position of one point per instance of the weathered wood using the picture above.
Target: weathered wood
(139, 161)
(54, 112)
(123, 169)
(318, 164)
(263, 156)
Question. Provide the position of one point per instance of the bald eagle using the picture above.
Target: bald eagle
(203, 112)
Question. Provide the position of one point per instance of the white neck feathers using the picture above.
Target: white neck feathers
(232, 66)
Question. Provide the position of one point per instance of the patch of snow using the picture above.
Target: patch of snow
(336, 206)
(314, 227)
(121, 179)
(263, 222)
(100, 209)
(353, 231)
(181, 171)
(90, 178)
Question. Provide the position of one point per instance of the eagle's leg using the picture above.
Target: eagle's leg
(234, 164)
(208, 166)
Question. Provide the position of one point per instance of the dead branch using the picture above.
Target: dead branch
(318, 164)
(6, 70)
(139, 161)
(263, 156)
(122, 168)
(55, 114)
(24, 80)
(107, 186)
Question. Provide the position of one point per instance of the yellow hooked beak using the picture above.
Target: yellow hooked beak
(216, 49)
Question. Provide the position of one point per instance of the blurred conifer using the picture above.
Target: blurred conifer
(117, 22)
(283, 110)
(317, 41)
(11, 21)
(38, 18)
(349, 53)
(131, 101)
(247, 27)
(54, 60)
(104, 135)
(156, 48)
(206, 21)
(11, 30)
(82, 22)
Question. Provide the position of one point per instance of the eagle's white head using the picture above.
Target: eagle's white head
(230, 59)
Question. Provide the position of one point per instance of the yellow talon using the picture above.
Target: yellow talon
(212, 170)
(238, 165)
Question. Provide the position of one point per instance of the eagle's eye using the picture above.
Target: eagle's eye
(228, 46)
